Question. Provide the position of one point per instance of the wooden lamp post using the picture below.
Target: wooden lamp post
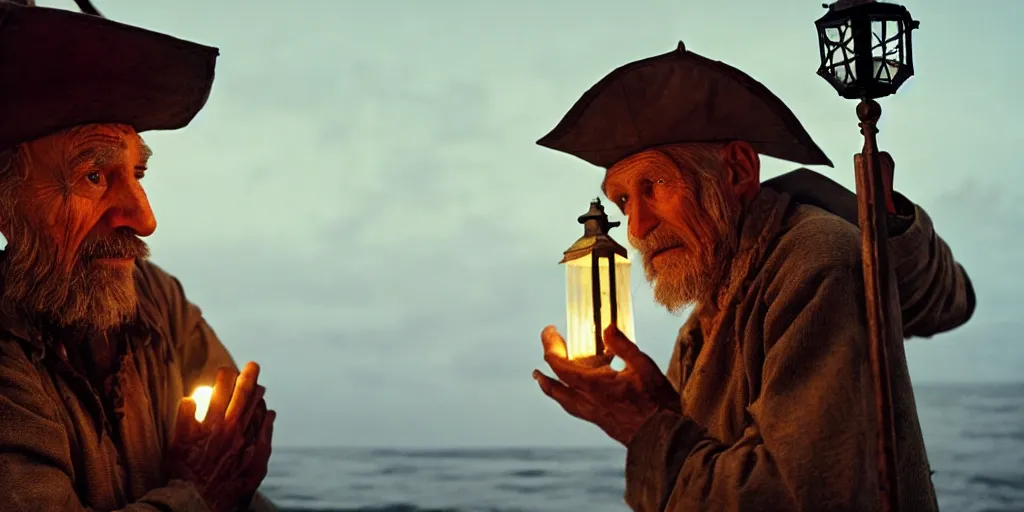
(866, 53)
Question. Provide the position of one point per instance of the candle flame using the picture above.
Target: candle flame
(201, 396)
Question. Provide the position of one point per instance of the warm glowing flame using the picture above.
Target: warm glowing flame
(580, 305)
(201, 396)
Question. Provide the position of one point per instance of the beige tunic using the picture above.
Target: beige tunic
(62, 450)
(775, 383)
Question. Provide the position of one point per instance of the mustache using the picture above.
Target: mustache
(120, 245)
(658, 240)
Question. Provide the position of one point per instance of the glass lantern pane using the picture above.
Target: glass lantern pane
(579, 308)
(884, 70)
(839, 53)
(624, 298)
(886, 49)
(580, 329)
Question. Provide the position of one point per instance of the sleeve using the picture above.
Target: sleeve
(935, 292)
(35, 459)
(807, 444)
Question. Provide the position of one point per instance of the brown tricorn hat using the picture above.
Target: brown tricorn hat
(679, 97)
(60, 69)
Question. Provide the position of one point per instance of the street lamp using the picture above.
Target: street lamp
(866, 53)
(597, 290)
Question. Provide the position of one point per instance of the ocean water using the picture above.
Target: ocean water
(975, 438)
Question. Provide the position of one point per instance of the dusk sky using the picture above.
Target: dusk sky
(361, 207)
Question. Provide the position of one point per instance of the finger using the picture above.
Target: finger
(556, 355)
(266, 437)
(262, 447)
(267, 432)
(587, 380)
(253, 414)
(618, 344)
(252, 427)
(222, 392)
(572, 401)
(185, 422)
(636, 360)
(255, 426)
(554, 344)
(243, 396)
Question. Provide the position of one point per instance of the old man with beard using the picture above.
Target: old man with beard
(767, 404)
(98, 346)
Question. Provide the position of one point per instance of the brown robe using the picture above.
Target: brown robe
(67, 444)
(774, 379)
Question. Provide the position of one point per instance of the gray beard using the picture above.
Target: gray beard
(89, 296)
(690, 280)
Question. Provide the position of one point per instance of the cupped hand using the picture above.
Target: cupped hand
(617, 401)
(226, 455)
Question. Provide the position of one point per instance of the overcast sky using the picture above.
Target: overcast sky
(362, 209)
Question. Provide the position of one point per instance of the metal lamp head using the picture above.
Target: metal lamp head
(865, 47)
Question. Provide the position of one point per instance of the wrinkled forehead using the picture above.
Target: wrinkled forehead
(645, 162)
(98, 144)
(120, 137)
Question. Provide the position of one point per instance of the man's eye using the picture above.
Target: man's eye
(94, 177)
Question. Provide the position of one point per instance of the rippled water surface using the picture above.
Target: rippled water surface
(975, 437)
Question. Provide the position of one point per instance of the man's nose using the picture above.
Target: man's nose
(641, 220)
(130, 209)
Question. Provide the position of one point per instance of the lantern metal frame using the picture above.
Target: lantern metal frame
(598, 244)
(861, 43)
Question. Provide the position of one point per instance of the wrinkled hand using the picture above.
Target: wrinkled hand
(619, 402)
(226, 455)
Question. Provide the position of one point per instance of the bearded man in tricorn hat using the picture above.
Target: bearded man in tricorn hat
(98, 346)
(768, 402)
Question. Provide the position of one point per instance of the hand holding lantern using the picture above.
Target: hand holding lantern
(618, 402)
(221, 439)
(600, 326)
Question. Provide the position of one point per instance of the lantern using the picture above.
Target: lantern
(596, 289)
(865, 47)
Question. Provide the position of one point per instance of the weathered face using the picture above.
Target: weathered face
(682, 205)
(78, 214)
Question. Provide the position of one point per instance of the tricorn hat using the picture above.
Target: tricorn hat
(679, 97)
(60, 69)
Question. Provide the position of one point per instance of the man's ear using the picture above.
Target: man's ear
(743, 167)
